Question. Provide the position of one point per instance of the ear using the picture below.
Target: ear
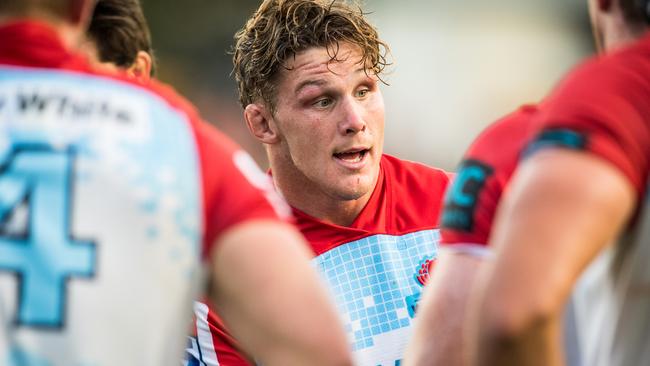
(261, 124)
(141, 67)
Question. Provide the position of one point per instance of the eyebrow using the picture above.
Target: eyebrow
(309, 82)
(319, 82)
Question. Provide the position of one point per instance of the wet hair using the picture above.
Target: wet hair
(280, 29)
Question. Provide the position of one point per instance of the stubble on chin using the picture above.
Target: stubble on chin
(355, 191)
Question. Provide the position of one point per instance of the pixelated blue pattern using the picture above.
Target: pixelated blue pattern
(371, 278)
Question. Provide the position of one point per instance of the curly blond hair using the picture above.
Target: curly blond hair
(280, 29)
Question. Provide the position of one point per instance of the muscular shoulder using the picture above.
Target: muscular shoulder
(603, 108)
(473, 197)
(604, 89)
(501, 142)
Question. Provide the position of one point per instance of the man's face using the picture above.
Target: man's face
(330, 120)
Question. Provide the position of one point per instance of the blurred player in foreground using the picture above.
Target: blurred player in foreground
(119, 41)
(111, 197)
(309, 81)
(466, 221)
(579, 194)
(466, 224)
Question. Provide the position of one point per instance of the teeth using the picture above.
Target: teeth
(355, 159)
(352, 157)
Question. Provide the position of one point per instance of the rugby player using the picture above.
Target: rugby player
(466, 222)
(119, 40)
(309, 82)
(112, 196)
(578, 196)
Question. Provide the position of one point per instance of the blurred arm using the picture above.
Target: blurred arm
(563, 208)
(438, 335)
(271, 298)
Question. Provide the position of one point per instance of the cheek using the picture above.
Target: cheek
(314, 135)
(377, 118)
(308, 139)
(307, 146)
(376, 106)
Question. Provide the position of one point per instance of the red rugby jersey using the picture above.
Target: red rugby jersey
(375, 268)
(472, 198)
(603, 109)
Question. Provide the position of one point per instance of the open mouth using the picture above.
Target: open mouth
(352, 156)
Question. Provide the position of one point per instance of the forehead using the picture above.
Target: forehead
(317, 63)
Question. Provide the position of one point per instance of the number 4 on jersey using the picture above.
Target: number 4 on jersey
(36, 186)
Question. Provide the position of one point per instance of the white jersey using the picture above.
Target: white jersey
(99, 222)
(111, 194)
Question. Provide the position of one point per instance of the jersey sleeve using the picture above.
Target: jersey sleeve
(234, 188)
(603, 108)
(472, 198)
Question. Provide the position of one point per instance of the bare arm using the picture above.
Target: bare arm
(271, 298)
(563, 208)
(438, 335)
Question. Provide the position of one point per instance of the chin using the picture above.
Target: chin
(349, 195)
(352, 191)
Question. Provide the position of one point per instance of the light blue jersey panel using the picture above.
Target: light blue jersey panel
(376, 288)
(100, 218)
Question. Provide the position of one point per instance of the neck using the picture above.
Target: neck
(302, 194)
(69, 34)
(619, 32)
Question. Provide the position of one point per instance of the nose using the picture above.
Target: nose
(352, 117)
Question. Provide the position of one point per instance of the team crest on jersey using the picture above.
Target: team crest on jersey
(421, 276)
(424, 270)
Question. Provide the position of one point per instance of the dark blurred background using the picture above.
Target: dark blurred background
(192, 40)
(458, 64)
